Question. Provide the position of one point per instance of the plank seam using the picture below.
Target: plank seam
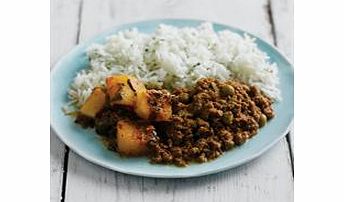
(143, 189)
(64, 176)
(290, 153)
(272, 23)
(66, 156)
(274, 36)
(79, 22)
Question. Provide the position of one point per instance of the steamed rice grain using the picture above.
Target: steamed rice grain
(178, 57)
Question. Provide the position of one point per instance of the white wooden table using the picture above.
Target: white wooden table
(268, 178)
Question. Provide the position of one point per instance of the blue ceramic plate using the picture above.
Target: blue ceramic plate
(88, 145)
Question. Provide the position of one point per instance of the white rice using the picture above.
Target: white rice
(179, 56)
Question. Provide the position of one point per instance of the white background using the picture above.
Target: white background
(24, 100)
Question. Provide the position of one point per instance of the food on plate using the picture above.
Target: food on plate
(94, 103)
(123, 90)
(148, 104)
(154, 105)
(176, 57)
(132, 137)
(208, 122)
(194, 124)
(177, 95)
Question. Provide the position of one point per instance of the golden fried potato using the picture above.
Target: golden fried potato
(148, 104)
(165, 112)
(132, 137)
(142, 107)
(154, 105)
(94, 103)
(122, 89)
(119, 91)
(136, 85)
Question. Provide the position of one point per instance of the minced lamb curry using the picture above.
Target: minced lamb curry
(184, 125)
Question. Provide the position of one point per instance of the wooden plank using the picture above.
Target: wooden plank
(282, 14)
(83, 184)
(64, 26)
(102, 15)
(57, 152)
(268, 178)
(251, 182)
(255, 181)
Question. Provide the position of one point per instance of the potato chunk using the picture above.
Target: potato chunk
(154, 105)
(148, 104)
(142, 108)
(94, 103)
(122, 89)
(132, 137)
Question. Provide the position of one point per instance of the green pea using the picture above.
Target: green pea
(226, 90)
(227, 118)
(262, 120)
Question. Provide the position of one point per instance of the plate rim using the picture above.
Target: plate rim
(120, 27)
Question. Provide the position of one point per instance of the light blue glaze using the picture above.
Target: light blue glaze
(88, 145)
